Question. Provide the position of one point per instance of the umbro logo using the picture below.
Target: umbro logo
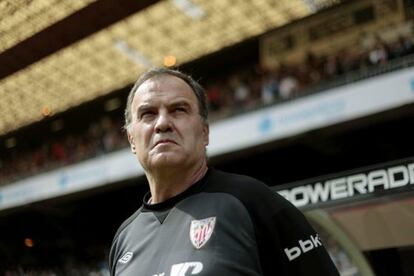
(126, 258)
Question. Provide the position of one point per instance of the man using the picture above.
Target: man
(196, 220)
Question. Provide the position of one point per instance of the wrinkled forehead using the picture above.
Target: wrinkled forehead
(165, 86)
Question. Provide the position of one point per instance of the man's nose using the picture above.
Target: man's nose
(163, 123)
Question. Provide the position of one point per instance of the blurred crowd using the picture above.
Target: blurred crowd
(101, 137)
(255, 86)
(90, 261)
(247, 88)
(92, 269)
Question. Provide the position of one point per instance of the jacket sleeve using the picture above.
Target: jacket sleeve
(114, 252)
(287, 243)
(112, 258)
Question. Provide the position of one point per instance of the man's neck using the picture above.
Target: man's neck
(171, 182)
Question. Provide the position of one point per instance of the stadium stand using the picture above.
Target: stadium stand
(249, 88)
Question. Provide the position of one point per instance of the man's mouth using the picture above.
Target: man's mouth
(165, 142)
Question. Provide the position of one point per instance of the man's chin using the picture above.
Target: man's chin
(166, 160)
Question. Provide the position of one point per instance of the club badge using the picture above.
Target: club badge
(201, 230)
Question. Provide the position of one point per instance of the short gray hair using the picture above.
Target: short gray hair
(157, 72)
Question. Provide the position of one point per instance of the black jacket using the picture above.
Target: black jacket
(225, 224)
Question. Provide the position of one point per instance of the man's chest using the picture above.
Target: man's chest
(203, 235)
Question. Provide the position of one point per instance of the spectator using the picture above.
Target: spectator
(330, 69)
(289, 85)
(214, 97)
(241, 91)
(408, 45)
(378, 54)
(58, 152)
(270, 88)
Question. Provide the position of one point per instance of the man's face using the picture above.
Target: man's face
(167, 129)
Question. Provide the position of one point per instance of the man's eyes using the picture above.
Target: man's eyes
(180, 109)
(147, 114)
(151, 113)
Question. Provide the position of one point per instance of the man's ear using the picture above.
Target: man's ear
(131, 142)
(206, 132)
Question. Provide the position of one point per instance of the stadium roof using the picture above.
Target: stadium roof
(55, 55)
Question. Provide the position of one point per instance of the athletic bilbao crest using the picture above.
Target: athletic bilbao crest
(201, 230)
